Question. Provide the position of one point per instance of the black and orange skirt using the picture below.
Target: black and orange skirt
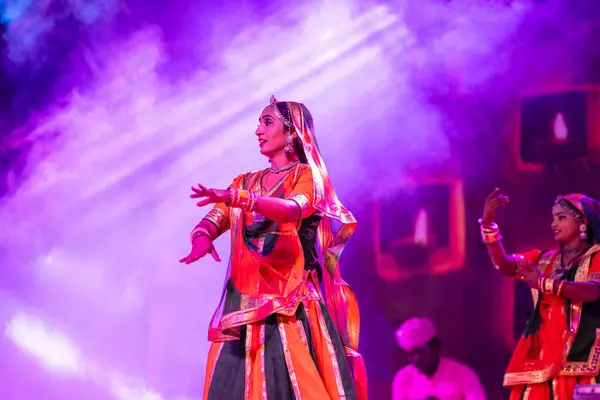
(282, 357)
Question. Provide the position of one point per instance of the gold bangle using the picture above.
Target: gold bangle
(491, 238)
(243, 198)
(490, 234)
(252, 202)
(492, 225)
(218, 218)
(235, 198)
(561, 288)
(199, 231)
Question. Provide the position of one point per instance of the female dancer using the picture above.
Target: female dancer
(561, 343)
(273, 337)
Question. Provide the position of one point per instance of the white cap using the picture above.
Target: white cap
(415, 333)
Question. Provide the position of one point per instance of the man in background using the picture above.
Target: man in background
(430, 376)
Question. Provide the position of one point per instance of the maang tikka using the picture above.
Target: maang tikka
(289, 140)
(273, 104)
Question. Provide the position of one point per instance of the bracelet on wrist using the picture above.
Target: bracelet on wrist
(243, 199)
(199, 231)
(490, 233)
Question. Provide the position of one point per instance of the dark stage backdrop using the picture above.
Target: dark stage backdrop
(418, 252)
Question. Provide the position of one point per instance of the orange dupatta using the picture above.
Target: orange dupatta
(341, 300)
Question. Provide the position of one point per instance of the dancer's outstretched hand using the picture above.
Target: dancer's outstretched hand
(492, 203)
(209, 196)
(201, 246)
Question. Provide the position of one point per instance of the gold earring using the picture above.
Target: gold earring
(582, 229)
(289, 148)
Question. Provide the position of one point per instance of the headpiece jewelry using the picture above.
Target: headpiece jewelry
(273, 105)
(569, 208)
